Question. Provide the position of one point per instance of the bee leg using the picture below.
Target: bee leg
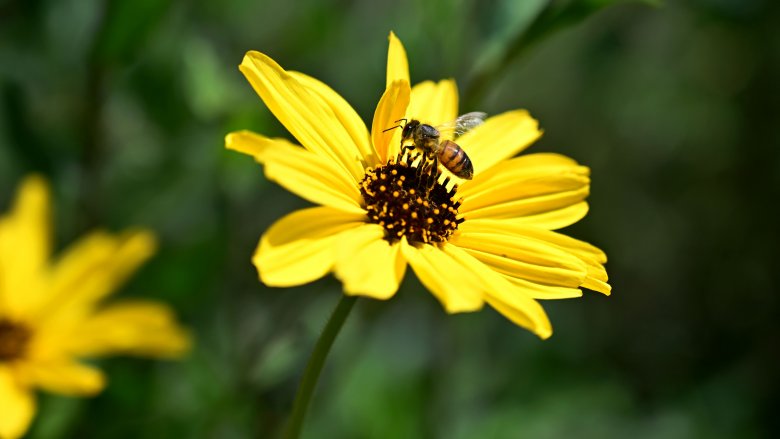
(434, 171)
(431, 168)
(404, 150)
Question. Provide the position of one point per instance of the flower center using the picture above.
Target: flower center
(410, 201)
(13, 340)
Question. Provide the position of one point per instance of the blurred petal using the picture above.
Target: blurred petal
(31, 214)
(303, 113)
(367, 264)
(137, 328)
(17, 405)
(299, 171)
(24, 247)
(94, 267)
(390, 109)
(346, 115)
(397, 64)
(499, 138)
(454, 283)
(64, 376)
(299, 248)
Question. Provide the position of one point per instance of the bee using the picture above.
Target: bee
(427, 138)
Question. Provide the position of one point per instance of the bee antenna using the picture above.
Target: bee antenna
(391, 128)
(404, 119)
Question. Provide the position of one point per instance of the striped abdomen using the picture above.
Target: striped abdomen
(454, 158)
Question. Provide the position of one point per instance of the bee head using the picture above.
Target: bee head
(409, 129)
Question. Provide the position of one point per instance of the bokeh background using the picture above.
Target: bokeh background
(123, 105)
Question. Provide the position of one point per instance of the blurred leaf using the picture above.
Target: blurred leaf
(209, 81)
(27, 146)
(126, 26)
(508, 19)
(555, 16)
(58, 414)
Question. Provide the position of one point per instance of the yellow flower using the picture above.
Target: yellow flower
(486, 240)
(50, 313)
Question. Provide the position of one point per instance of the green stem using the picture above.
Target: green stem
(314, 366)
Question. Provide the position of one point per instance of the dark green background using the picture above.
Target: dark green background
(123, 105)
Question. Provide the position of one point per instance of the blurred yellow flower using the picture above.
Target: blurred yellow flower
(486, 240)
(50, 312)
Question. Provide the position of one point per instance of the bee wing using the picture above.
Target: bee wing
(463, 124)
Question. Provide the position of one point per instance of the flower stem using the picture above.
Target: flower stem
(314, 366)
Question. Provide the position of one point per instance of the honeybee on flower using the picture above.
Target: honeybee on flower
(472, 236)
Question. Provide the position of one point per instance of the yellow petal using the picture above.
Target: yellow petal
(94, 267)
(367, 264)
(64, 376)
(592, 257)
(31, 214)
(512, 302)
(544, 292)
(300, 171)
(554, 219)
(454, 283)
(397, 64)
(521, 179)
(390, 109)
(24, 247)
(518, 256)
(138, 328)
(300, 247)
(17, 405)
(344, 112)
(303, 114)
(522, 311)
(512, 189)
(499, 138)
(526, 166)
(530, 205)
(434, 102)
